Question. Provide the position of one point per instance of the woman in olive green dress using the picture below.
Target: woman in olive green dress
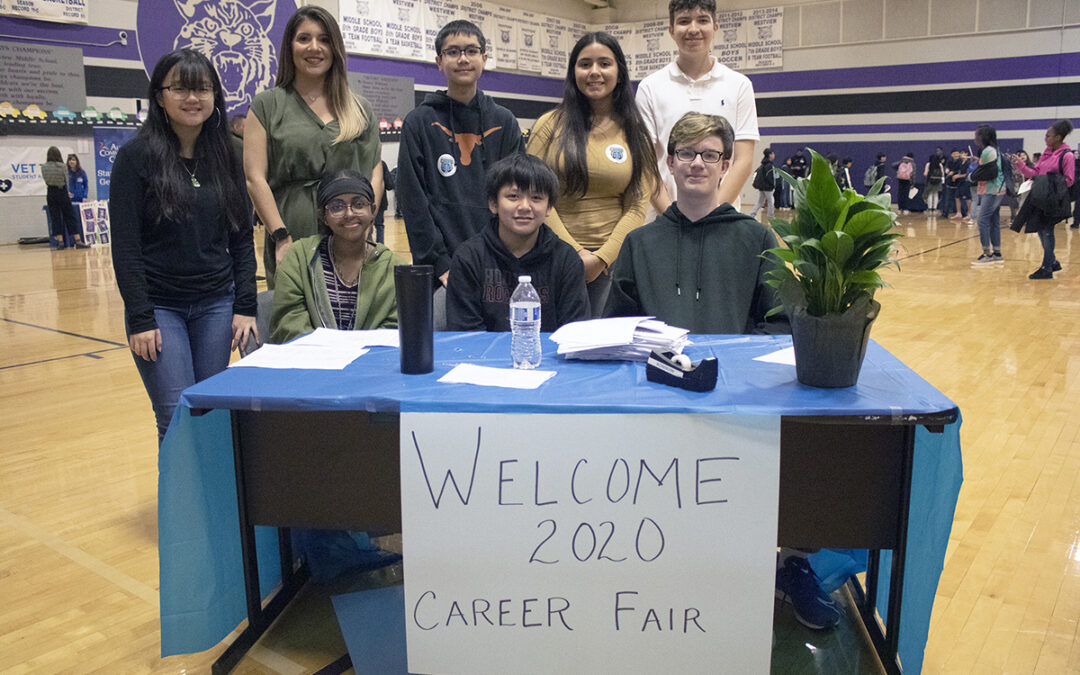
(307, 125)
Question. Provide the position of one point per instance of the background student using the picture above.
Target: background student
(308, 124)
(521, 190)
(698, 81)
(447, 145)
(182, 244)
(78, 186)
(62, 217)
(596, 143)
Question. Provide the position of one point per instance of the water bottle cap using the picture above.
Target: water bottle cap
(525, 279)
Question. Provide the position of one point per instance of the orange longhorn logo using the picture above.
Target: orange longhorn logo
(466, 142)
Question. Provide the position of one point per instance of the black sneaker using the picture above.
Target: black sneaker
(1041, 273)
(983, 260)
(1056, 267)
(996, 257)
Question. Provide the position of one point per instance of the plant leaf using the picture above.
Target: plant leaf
(837, 246)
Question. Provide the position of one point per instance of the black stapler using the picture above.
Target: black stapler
(676, 370)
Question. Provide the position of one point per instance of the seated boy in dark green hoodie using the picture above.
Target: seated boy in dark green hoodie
(698, 265)
(521, 190)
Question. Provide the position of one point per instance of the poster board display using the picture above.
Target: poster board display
(95, 222)
(534, 539)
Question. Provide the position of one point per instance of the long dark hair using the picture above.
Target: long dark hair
(342, 103)
(987, 135)
(78, 164)
(573, 121)
(168, 179)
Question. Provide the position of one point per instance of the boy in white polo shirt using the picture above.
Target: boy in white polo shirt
(697, 82)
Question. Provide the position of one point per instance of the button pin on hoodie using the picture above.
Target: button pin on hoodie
(447, 165)
(616, 153)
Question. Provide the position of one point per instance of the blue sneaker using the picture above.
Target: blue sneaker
(796, 583)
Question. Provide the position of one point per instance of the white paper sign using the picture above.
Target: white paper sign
(589, 543)
(363, 25)
(436, 14)
(653, 47)
(554, 46)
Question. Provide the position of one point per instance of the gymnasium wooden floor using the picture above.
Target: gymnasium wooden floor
(78, 536)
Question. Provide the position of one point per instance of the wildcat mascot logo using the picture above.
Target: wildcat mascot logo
(238, 36)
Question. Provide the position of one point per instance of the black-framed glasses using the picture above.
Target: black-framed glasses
(708, 156)
(336, 207)
(455, 52)
(201, 93)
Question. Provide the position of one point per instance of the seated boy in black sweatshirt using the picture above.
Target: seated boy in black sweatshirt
(484, 272)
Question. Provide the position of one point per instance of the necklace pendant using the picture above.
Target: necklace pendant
(195, 181)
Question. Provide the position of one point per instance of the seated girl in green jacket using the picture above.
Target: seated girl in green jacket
(339, 278)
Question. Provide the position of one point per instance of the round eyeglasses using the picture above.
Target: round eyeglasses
(336, 207)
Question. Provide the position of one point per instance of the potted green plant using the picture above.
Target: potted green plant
(827, 272)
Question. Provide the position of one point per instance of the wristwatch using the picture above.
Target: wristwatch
(280, 234)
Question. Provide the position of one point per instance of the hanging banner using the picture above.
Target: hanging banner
(59, 11)
(765, 43)
(506, 37)
(533, 538)
(106, 142)
(529, 46)
(436, 14)
(20, 170)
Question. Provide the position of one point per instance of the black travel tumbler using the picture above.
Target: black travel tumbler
(413, 283)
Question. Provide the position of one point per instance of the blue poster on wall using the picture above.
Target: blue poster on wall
(106, 142)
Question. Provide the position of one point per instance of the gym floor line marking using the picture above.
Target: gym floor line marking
(92, 355)
(64, 332)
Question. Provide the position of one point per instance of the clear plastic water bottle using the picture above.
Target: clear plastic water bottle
(525, 324)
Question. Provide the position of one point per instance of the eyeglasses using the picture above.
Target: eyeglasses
(456, 52)
(708, 156)
(201, 93)
(336, 207)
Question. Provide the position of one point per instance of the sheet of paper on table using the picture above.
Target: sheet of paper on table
(467, 373)
(300, 356)
(331, 337)
(783, 356)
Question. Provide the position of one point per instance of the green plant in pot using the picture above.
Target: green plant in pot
(827, 272)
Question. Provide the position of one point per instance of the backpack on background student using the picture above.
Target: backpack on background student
(903, 172)
(765, 178)
(870, 177)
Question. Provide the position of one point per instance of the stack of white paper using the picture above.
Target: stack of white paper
(629, 338)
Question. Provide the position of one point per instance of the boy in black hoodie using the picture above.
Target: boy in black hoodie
(521, 190)
(447, 145)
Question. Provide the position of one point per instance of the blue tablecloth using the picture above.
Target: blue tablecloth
(202, 596)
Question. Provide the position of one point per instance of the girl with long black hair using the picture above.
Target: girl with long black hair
(596, 142)
(182, 243)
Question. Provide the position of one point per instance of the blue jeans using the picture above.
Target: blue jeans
(989, 221)
(195, 343)
(1046, 237)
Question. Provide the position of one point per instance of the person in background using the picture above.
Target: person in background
(696, 80)
(338, 278)
(843, 174)
(1058, 157)
(597, 144)
(182, 245)
(905, 173)
(78, 186)
(956, 179)
(521, 190)
(307, 125)
(765, 182)
(988, 195)
(782, 192)
(799, 166)
(380, 213)
(62, 217)
(933, 174)
(448, 142)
